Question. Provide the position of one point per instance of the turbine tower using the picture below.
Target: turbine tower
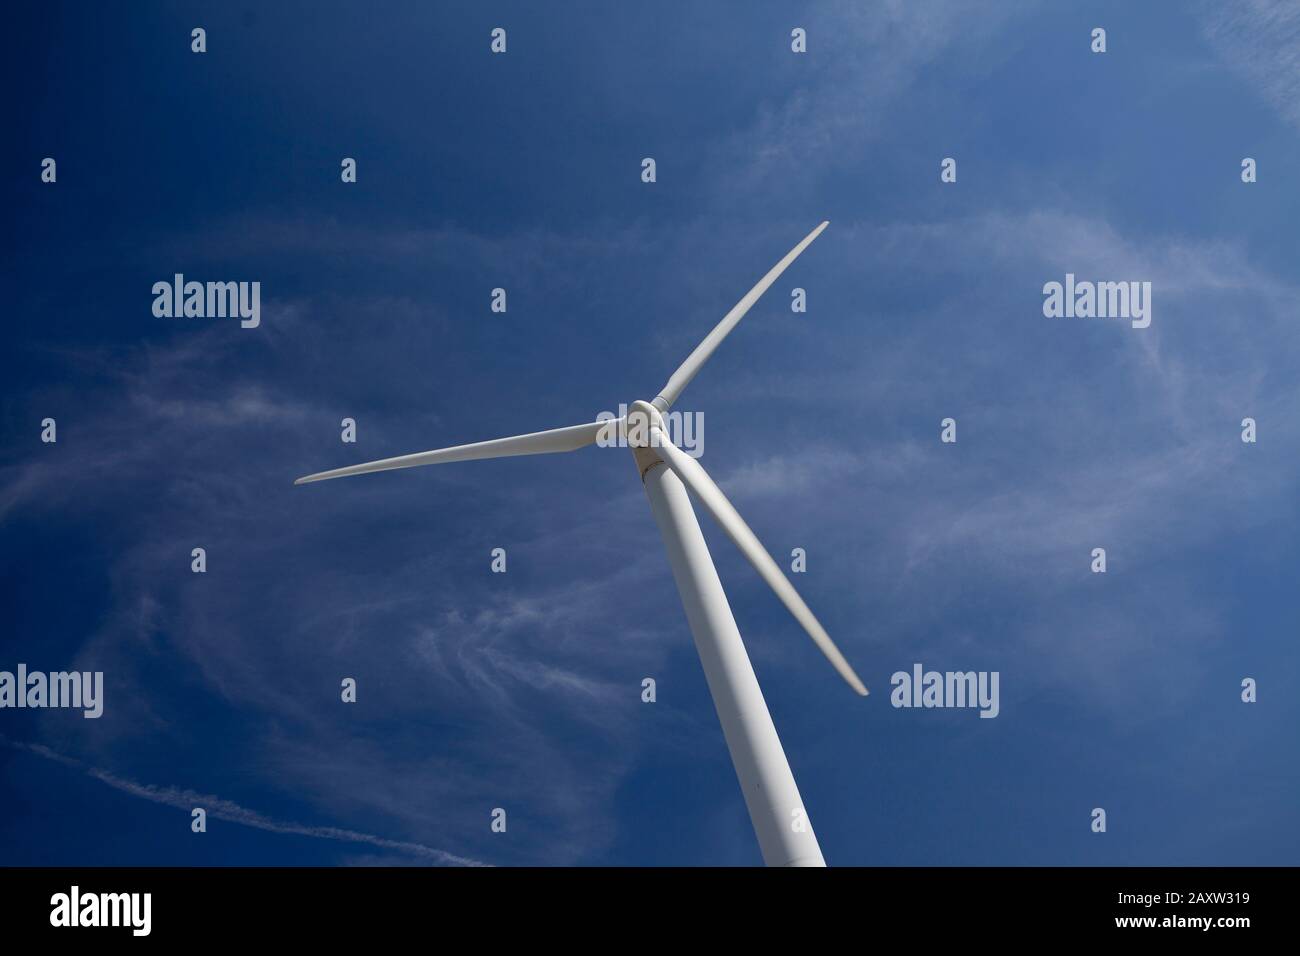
(784, 832)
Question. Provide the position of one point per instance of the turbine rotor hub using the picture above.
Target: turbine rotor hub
(641, 417)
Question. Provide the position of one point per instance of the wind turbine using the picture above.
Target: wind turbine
(784, 832)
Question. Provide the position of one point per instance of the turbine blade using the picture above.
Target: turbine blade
(686, 371)
(697, 480)
(536, 443)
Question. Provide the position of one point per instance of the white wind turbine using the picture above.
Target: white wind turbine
(784, 833)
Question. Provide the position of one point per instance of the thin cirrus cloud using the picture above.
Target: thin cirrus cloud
(1114, 442)
(503, 672)
(1260, 40)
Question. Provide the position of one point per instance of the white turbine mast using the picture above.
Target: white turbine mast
(785, 833)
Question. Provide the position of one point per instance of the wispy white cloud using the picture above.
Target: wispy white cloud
(522, 670)
(863, 60)
(1260, 40)
(901, 527)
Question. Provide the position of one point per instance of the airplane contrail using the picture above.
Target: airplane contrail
(231, 812)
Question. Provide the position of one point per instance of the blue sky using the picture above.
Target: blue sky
(522, 171)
